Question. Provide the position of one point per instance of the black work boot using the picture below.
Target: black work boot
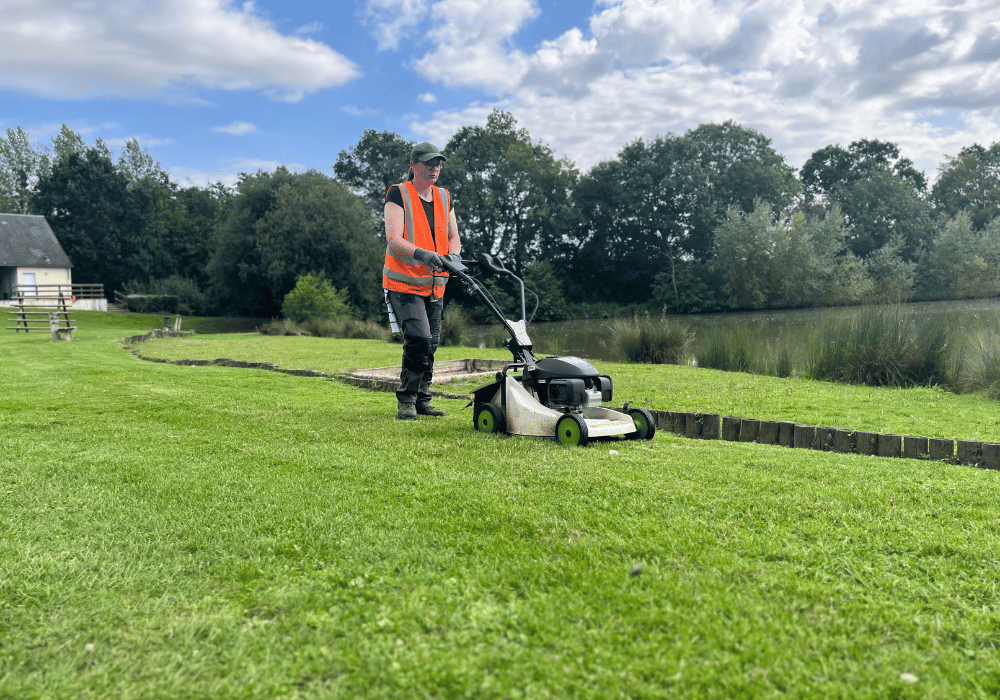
(424, 408)
(407, 411)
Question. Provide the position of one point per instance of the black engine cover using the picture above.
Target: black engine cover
(559, 367)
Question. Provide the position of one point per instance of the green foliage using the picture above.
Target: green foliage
(962, 262)
(969, 183)
(454, 325)
(378, 161)
(882, 346)
(22, 166)
(982, 362)
(657, 205)
(512, 195)
(191, 300)
(281, 225)
(891, 275)
(729, 350)
(650, 340)
(541, 279)
(314, 297)
(832, 168)
(881, 208)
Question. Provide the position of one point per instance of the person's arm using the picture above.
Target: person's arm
(454, 242)
(395, 231)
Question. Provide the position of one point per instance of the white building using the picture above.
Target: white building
(30, 255)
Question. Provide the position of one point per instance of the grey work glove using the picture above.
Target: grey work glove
(429, 258)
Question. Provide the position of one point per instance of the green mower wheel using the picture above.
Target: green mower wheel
(572, 431)
(488, 418)
(645, 426)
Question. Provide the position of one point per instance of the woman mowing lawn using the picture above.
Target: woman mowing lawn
(420, 227)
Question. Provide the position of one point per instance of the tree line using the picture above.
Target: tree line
(713, 219)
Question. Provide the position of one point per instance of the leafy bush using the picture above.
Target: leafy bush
(652, 341)
(314, 298)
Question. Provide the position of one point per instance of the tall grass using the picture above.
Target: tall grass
(742, 348)
(342, 327)
(883, 346)
(648, 340)
(454, 325)
(982, 362)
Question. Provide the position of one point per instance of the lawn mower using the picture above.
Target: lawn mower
(553, 397)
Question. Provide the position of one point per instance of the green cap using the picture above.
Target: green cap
(423, 152)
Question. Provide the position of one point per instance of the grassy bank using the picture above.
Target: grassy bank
(174, 532)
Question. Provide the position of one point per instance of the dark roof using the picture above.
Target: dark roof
(27, 241)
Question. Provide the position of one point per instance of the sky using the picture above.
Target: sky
(212, 88)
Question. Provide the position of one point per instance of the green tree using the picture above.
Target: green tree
(540, 278)
(962, 262)
(656, 207)
(632, 231)
(743, 257)
(379, 160)
(720, 166)
(512, 196)
(85, 200)
(892, 277)
(281, 225)
(969, 182)
(314, 297)
(884, 207)
(832, 168)
(21, 169)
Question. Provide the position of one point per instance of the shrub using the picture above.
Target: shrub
(190, 299)
(314, 297)
(652, 341)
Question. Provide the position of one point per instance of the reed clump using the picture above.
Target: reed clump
(455, 325)
(883, 346)
(648, 340)
(340, 327)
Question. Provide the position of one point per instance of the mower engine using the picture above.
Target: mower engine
(569, 384)
(572, 394)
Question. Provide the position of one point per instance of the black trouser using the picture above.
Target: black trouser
(420, 320)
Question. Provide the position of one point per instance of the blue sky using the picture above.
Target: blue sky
(213, 88)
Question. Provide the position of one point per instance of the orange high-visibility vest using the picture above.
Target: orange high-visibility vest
(404, 274)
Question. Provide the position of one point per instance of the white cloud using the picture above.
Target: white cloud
(359, 111)
(236, 128)
(805, 73)
(395, 20)
(427, 97)
(310, 28)
(157, 49)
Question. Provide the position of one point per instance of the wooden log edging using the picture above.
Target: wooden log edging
(713, 426)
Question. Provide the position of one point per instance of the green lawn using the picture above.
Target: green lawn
(190, 532)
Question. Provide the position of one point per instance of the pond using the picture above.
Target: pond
(590, 338)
